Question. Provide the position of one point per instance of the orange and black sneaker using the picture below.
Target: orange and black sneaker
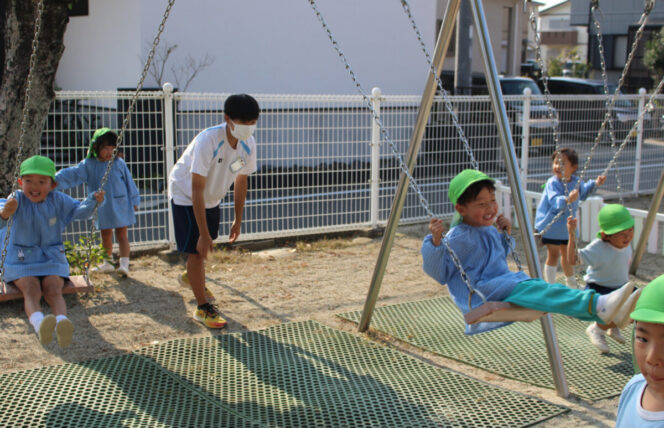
(208, 315)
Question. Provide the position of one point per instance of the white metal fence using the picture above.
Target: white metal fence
(322, 163)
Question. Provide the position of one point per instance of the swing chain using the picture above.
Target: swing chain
(125, 125)
(24, 122)
(446, 99)
(384, 133)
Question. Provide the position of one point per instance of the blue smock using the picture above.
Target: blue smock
(483, 252)
(121, 196)
(553, 201)
(35, 245)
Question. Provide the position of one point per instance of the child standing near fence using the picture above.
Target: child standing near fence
(122, 197)
(608, 259)
(561, 194)
(35, 260)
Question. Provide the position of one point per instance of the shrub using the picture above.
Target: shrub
(85, 249)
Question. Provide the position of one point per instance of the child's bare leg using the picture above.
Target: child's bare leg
(552, 254)
(32, 294)
(107, 241)
(122, 237)
(196, 275)
(52, 286)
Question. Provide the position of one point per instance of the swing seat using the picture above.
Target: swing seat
(76, 284)
(501, 312)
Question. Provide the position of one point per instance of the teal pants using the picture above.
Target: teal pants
(557, 298)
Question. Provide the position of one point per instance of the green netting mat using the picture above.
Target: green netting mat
(517, 351)
(291, 375)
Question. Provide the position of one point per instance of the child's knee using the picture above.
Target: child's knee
(52, 286)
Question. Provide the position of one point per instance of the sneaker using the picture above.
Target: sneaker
(183, 280)
(46, 329)
(622, 319)
(597, 338)
(103, 268)
(208, 315)
(123, 270)
(64, 331)
(615, 334)
(608, 305)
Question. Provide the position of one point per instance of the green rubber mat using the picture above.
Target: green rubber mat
(517, 351)
(290, 375)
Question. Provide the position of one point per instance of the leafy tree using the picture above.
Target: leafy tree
(653, 57)
(568, 63)
(17, 21)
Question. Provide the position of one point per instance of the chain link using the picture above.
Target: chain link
(125, 125)
(21, 138)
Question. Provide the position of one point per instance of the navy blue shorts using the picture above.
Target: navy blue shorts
(186, 229)
(601, 289)
(554, 241)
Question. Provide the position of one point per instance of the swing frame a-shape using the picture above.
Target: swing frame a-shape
(509, 154)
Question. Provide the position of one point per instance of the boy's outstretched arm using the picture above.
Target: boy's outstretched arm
(600, 180)
(571, 244)
(437, 228)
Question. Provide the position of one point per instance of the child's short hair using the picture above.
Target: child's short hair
(39, 165)
(242, 107)
(102, 137)
(570, 154)
(613, 218)
(467, 184)
(650, 306)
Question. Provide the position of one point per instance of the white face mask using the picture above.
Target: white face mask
(242, 132)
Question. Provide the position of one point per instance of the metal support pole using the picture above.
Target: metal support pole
(169, 151)
(375, 160)
(444, 37)
(639, 141)
(525, 135)
(518, 194)
(647, 227)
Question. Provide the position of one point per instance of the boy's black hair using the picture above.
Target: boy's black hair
(470, 194)
(570, 154)
(108, 139)
(242, 107)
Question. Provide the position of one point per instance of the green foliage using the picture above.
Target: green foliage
(568, 64)
(653, 57)
(77, 254)
(555, 67)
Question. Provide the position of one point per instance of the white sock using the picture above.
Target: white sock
(59, 318)
(36, 319)
(124, 262)
(550, 273)
(571, 281)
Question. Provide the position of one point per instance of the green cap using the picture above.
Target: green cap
(462, 180)
(38, 165)
(98, 133)
(650, 306)
(614, 218)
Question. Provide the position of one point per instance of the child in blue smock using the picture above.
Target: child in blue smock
(608, 258)
(122, 197)
(561, 194)
(482, 251)
(641, 403)
(35, 260)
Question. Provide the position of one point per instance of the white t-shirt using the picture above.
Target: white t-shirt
(607, 265)
(211, 156)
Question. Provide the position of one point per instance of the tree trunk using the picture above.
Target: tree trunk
(20, 16)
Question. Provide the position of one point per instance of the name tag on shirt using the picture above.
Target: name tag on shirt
(52, 221)
(237, 165)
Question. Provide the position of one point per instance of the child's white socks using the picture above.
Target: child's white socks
(571, 281)
(123, 269)
(550, 273)
(36, 319)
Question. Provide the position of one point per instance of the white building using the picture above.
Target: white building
(558, 36)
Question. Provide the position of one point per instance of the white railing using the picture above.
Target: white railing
(324, 165)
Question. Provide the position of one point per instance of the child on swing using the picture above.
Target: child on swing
(35, 260)
(608, 259)
(482, 251)
(642, 400)
(561, 193)
(118, 212)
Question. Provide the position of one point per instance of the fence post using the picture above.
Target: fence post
(376, 94)
(525, 136)
(639, 140)
(588, 216)
(169, 141)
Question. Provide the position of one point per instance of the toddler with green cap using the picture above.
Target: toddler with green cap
(607, 257)
(642, 400)
(35, 261)
(475, 245)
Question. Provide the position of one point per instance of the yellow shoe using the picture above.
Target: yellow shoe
(64, 331)
(183, 280)
(46, 329)
(208, 315)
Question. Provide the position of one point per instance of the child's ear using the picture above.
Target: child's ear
(53, 184)
(460, 208)
(603, 236)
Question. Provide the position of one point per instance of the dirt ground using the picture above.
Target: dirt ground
(296, 281)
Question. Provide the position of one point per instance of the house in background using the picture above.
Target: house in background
(267, 46)
(557, 35)
(619, 21)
